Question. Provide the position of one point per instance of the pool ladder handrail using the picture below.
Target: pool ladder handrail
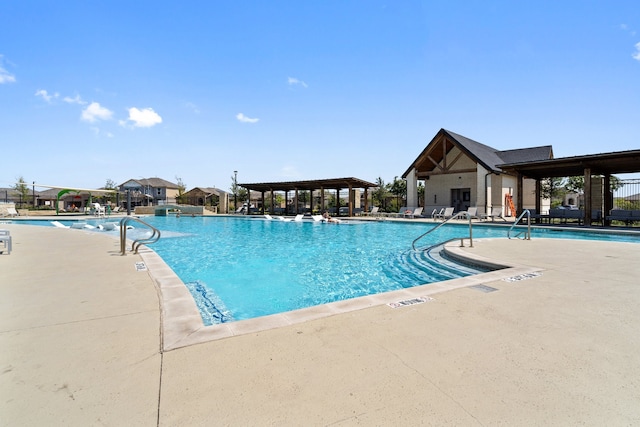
(459, 215)
(527, 231)
(155, 235)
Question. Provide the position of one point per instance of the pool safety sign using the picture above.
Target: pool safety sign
(407, 302)
(521, 277)
(140, 266)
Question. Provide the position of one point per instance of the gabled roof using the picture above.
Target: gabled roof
(152, 182)
(207, 190)
(488, 157)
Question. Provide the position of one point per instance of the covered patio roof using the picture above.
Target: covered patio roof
(315, 184)
(605, 164)
(311, 185)
(598, 164)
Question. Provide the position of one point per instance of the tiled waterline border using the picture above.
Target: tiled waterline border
(182, 324)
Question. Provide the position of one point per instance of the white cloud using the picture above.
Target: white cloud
(74, 100)
(636, 55)
(95, 112)
(144, 118)
(625, 28)
(5, 76)
(99, 132)
(244, 119)
(45, 95)
(193, 107)
(293, 82)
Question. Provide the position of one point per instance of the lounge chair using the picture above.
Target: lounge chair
(98, 210)
(373, 212)
(12, 212)
(298, 217)
(5, 239)
(416, 212)
(495, 213)
(400, 212)
(445, 214)
(471, 212)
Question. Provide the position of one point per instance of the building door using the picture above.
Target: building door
(460, 199)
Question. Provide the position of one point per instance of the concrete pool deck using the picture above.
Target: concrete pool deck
(80, 332)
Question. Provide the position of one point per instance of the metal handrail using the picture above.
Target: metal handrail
(155, 235)
(456, 216)
(527, 232)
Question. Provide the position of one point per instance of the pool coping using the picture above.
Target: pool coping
(182, 323)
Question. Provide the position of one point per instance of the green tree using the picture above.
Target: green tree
(234, 190)
(380, 194)
(110, 185)
(181, 190)
(420, 194)
(22, 189)
(553, 189)
(304, 197)
(399, 189)
(243, 194)
(575, 184)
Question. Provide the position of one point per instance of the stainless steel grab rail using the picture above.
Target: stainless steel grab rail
(155, 235)
(527, 232)
(459, 215)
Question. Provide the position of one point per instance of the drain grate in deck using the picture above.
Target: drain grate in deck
(483, 288)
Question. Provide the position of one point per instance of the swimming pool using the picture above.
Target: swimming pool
(240, 268)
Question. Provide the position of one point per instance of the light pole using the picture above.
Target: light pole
(33, 191)
(235, 190)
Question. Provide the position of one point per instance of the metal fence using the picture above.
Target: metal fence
(627, 196)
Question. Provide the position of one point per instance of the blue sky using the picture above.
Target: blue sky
(290, 90)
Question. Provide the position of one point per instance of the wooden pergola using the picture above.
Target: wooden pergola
(604, 164)
(321, 185)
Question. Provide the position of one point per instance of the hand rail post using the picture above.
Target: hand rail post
(155, 235)
(470, 232)
(456, 216)
(528, 231)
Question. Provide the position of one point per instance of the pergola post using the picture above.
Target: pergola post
(273, 202)
(519, 190)
(538, 198)
(587, 196)
(608, 199)
(366, 199)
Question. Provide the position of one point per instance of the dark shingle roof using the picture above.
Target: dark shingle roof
(152, 182)
(487, 157)
(490, 158)
(522, 155)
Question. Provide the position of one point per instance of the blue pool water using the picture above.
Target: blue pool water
(240, 268)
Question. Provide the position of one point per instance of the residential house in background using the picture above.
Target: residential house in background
(459, 172)
(149, 191)
(210, 197)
